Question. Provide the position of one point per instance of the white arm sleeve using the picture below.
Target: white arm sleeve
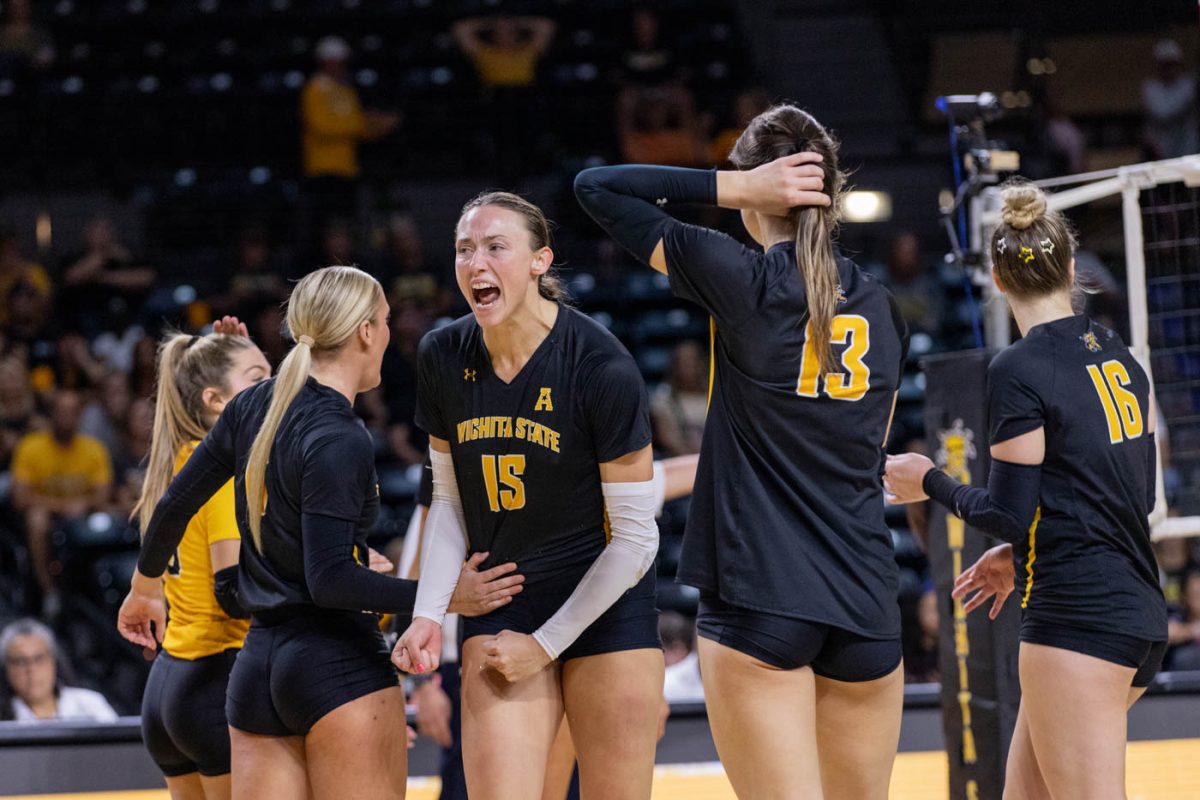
(630, 552)
(445, 545)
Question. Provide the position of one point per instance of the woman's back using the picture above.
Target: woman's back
(788, 509)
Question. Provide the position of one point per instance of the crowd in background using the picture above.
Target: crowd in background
(78, 331)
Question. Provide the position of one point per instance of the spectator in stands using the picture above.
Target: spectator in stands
(1183, 629)
(104, 287)
(506, 51)
(338, 245)
(142, 367)
(398, 380)
(58, 474)
(648, 62)
(1169, 102)
(23, 43)
(33, 687)
(920, 634)
(679, 406)
(681, 682)
(18, 409)
(410, 279)
(659, 126)
(1063, 140)
(334, 125)
(748, 105)
(105, 416)
(130, 454)
(916, 289)
(16, 269)
(256, 280)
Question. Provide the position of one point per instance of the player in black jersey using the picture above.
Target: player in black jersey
(540, 445)
(313, 702)
(1072, 482)
(799, 625)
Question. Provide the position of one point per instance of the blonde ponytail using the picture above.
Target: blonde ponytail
(323, 313)
(818, 267)
(187, 365)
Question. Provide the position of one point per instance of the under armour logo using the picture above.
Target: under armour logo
(660, 202)
(468, 374)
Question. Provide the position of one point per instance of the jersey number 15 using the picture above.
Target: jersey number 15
(502, 479)
(854, 332)
(1120, 405)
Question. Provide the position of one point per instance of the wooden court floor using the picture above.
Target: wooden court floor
(1161, 770)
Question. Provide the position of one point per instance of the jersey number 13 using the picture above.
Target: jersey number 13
(854, 332)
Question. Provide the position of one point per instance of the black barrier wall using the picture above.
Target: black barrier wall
(980, 691)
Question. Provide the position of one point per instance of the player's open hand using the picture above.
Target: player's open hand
(479, 593)
(143, 616)
(991, 576)
(775, 188)
(515, 655)
(904, 478)
(419, 649)
(230, 326)
(378, 562)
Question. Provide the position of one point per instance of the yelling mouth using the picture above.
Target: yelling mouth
(484, 294)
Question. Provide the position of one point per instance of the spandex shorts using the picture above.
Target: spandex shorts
(183, 714)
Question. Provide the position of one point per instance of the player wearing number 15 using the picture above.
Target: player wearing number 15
(786, 540)
(1071, 483)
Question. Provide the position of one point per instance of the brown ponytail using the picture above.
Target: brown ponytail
(781, 131)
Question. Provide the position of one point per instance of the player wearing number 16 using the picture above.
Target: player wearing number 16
(786, 540)
(1071, 484)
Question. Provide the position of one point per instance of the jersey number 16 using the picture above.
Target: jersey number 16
(1120, 405)
(854, 332)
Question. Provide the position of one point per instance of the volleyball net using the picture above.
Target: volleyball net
(1143, 219)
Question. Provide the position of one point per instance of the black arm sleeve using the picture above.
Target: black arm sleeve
(1151, 473)
(336, 580)
(201, 477)
(627, 201)
(1005, 509)
(225, 589)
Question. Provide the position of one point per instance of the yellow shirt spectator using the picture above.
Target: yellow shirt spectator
(508, 66)
(57, 471)
(334, 123)
(198, 626)
(26, 272)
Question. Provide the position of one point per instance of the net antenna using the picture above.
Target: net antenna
(1177, 329)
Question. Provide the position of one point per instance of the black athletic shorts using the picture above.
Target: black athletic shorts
(631, 623)
(1128, 651)
(183, 714)
(300, 663)
(789, 643)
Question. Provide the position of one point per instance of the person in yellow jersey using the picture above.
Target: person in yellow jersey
(334, 124)
(183, 709)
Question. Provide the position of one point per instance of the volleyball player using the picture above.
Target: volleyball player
(540, 445)
(313, 702)
(1072, 482)
(798, 621)
(183, 707)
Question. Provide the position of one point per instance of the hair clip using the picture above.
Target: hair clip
(1026, 254)
(1047, 246)
(1001, 245)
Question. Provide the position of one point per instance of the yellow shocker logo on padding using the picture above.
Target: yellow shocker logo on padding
(544, 402)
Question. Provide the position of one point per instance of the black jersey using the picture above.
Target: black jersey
(1088, 562)
(322, 462)
(787, 512)
(527, 453)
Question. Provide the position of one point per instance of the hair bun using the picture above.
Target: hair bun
(1024, 204)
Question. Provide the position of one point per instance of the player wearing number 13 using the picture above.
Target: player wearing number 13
(786, 538)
